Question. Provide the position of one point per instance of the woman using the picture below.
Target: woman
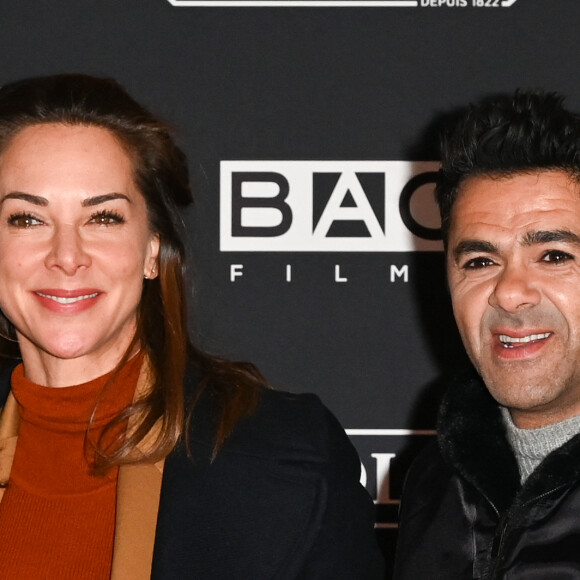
(125, 452)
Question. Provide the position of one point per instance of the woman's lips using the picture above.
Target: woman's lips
(68, 301)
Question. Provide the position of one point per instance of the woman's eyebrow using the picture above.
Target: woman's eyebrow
(35, 199)
(43, 202)
(98, 199)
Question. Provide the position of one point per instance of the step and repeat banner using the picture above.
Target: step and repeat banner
(310, 126)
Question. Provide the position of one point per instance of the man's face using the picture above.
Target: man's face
(513, 266)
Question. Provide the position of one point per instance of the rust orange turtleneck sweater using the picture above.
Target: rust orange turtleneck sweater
(57, 519)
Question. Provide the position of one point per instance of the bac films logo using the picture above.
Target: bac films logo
(346, 3)
(328, 206)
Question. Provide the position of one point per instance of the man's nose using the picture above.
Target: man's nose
(515, 289)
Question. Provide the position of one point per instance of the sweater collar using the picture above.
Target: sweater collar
(473, 439)
(72, 408)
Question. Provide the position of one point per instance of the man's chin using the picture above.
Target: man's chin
(517, 392)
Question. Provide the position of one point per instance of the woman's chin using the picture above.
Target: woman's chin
(71, 348)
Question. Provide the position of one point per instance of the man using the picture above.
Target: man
(499, 496)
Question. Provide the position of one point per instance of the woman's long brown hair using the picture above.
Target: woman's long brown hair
(161, 175)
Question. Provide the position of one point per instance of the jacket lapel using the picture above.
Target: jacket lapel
(138, 492)
(9, 420)
(472, 439)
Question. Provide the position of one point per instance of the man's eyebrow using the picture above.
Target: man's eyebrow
(34, 199)
(474, 247)
(98, 199)
(549, 236)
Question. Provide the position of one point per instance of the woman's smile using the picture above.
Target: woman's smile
(68, 301)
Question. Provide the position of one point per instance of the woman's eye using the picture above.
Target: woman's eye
(106, 218)
(477, 263)
(556, 257)
(23, 220)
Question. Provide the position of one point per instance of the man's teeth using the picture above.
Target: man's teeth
(63, 300)
(509, 341)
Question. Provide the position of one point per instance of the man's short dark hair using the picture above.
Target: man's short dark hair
(503, 135)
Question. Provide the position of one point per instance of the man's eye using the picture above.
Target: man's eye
(477, 263)
(556, 257)
(23, 220)
(107, 218)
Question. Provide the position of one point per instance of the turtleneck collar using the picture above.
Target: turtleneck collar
(52, 455)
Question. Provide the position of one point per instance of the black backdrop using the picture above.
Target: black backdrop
(350, 83)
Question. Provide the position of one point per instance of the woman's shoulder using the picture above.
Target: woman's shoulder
(296, 420)
(282, 425)
(284, 484)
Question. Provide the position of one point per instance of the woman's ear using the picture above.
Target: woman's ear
(151, 269)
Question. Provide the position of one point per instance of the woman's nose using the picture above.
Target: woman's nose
(67, 251)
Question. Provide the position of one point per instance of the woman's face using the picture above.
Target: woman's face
(75, 245)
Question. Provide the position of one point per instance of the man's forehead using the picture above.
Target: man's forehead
(500, 197)
(523, 208)
(503, 180)
(572, 174)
